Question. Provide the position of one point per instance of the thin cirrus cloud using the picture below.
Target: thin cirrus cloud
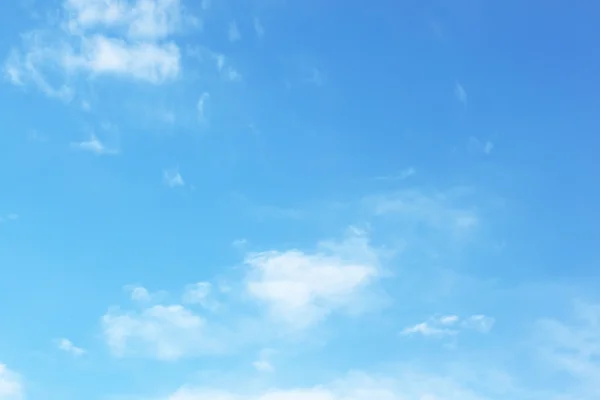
(94, 145)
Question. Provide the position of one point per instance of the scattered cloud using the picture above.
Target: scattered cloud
(172, 178)
(316, 77)
(480, 323)
(460, 93)
(11, 386)
(128, 39)
(404, 385)
(139, 293)
(165, 332)
(476, 146)
(233, 33)
(240, 243)
(263, 362)
(94, 145)
(200, 293)
(447, 211)
(449, 325)
(404, 174)
(573, 349)
(301, 288)
(258, 28)
(202, 105)
(67, 346)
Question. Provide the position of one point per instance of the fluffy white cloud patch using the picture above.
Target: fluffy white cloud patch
(129, 39)
(301, 288)
(11, 387)
(166, 332)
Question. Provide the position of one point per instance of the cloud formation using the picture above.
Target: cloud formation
(11, 387)
(300, 288)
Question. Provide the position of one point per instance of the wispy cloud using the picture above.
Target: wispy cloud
(460, 93)
(573, 348)
(449, 211)
(404, 174)
(172, 178)
(233, 32)
(11, 385)
(94, 145)
(201, 106)
(477, 146)
(263, 362)
(258, 28)
(68, 347)
(450, 325)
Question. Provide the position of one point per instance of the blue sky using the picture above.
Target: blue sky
(299, 200)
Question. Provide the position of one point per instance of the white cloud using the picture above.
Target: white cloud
(573, 348)
(476, 146)
(300, 288)
(403, 386)
(404, 174)
(460, 93)
(258, 28)
(150, 62)
(426, 329)
(94, 145)
(440, 326)
(233, 33)
(141, 19)
(173, 178)
(67, 346)
(121, 38)
(263, 362)
(201, 105)
(480, 323)
(163, 332)
(11, 387)
(139, 293)
(200, 293)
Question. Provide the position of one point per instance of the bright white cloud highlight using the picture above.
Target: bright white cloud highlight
(127, 39)
(301, 288)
